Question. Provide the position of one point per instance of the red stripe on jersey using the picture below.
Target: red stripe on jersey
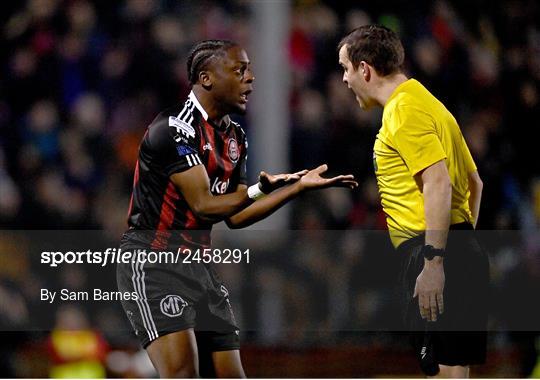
(191, 221)
(211, 164)
(166, 217)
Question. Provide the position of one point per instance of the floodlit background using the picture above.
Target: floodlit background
(81, 80)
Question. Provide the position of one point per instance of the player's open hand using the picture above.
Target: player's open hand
(313, 180)
(429, 289)
(271, 182)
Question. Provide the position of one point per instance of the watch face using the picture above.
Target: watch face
(428, 252)
(429, 255)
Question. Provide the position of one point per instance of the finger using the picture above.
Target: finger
(301, 172)
(349, 184)
(321, 169)
(291, 177)
(440, 303)
(349, 177)
(433, 307)
(423, 305)
(338, 178)
(263, 174)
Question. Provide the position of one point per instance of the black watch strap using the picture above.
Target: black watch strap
(429, 252)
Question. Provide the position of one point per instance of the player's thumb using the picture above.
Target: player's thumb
(321, 169)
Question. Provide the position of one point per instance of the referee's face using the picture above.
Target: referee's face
(353, 78)
(233, 82)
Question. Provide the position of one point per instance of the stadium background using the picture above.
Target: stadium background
(81, 80)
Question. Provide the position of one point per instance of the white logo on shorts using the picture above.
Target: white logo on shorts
(224, 291)
(172, 305)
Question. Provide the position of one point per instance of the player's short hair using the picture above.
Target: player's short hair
(379, 46)
(202, 53)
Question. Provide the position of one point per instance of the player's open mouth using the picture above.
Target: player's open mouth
(244, 96)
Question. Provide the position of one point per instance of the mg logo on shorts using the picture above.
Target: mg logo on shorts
(172, 305)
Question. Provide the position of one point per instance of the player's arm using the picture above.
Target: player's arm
(195, 188)
(263, 207)
(308, 180)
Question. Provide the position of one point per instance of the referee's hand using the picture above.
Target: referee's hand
(429, 289)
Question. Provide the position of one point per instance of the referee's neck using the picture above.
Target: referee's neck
(387, 86)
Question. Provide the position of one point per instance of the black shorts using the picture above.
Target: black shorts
(172, 297)
(459, 334)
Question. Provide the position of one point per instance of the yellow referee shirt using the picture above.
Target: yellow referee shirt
(417, 131)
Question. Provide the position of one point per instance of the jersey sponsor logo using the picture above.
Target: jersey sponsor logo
(182, 128)
(233, 151)
(207, 146)
(219, 187)
(172, 305)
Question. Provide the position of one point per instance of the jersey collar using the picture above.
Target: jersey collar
(204, 114)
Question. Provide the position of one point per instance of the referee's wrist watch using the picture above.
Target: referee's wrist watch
(430, 252)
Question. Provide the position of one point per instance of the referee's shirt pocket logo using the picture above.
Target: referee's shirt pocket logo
(172, 305)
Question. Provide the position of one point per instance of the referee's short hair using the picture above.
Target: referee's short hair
(203, 53)
(379, 46)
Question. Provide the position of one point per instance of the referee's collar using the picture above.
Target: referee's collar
(204, 114)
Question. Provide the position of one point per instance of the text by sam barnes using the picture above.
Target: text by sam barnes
(95, 294)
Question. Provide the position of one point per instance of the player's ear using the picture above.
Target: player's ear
(206, 79)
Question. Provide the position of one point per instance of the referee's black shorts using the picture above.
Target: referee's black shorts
(173, 297)
(459, 334)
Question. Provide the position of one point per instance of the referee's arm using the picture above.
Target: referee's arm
(437, 190)
(475, 188)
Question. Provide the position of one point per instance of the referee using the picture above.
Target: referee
(430, 189)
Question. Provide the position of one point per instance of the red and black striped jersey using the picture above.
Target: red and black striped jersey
(178, 139)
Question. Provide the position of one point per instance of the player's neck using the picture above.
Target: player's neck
(387, 87)
(215, 115)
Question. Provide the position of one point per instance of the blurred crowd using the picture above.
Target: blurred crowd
(81, 80)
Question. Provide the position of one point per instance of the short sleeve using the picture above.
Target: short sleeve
(469, 161)
(176, 144)
(416, 139)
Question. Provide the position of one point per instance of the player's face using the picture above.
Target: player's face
(234, 80)
(354, 79)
